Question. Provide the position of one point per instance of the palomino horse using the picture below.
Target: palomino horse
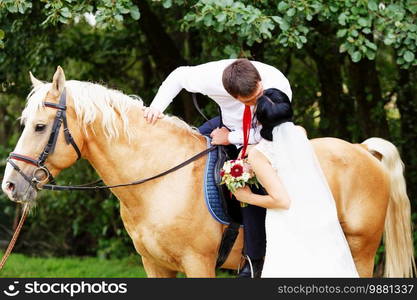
(167, 218)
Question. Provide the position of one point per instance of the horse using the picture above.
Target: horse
(167, 218)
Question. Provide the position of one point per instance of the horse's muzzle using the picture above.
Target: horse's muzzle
(18, 189)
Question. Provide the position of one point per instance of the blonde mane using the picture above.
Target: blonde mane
(92, 100)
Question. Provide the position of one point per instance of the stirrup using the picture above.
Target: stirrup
(246, 257)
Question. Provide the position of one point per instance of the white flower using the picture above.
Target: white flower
(245, 176)
(227, 168)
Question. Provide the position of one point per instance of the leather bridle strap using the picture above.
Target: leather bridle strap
(83, 188)
(29, 180)
(23, 158)
(60, 119)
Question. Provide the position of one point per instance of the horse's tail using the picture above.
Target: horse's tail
(399, 252)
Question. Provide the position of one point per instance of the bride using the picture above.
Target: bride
(304, 237)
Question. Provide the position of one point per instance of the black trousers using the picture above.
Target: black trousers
(253, 217)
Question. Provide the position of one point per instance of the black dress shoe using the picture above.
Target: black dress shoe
(252, 268)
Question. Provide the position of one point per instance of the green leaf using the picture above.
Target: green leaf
(366, 30)
(341, 33)
(284, 25)
(282, 6)
(1, 34)
(276, 19)
(389, 39)
(342, 19)
(356, 56)
(167, 3)
(12, 9)
(291, 12)
(412, 27)
(221, 17)
(412, 6)
(63, 20)
(124, 10)
(65, 12)
(370, 55)
(208, 20)
(372, 5)
(343, 48)
(371, 45)
(135, 13)
(118, 17)
(408, 56)
(333, 8)
(363, 22)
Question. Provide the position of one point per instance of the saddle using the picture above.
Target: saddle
(230, 206)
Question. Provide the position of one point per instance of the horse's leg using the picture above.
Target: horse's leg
(363, 250)
(154, 270)
(199, 266)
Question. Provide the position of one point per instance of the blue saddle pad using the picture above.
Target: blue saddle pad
(211, 193)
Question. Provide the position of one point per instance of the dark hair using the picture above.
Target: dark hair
(240, 78)
(272, 109)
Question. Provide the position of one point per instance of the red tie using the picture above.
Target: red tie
(247, 118)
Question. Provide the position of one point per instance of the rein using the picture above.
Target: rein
(41, 174)
(15, 236)
(53, 187)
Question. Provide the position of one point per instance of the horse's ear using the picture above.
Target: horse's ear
(35, 82)
(58, 81)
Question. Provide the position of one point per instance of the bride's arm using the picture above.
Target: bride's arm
(277, 195)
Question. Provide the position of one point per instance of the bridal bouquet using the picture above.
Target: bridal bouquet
(237, 173)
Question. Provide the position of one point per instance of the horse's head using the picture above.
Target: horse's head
(50, 142)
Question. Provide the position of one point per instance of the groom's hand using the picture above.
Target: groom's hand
(152, 114)
(220, 136)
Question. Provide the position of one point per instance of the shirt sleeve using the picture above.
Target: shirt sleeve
(204, 79)
(236, 137)
(170, 88)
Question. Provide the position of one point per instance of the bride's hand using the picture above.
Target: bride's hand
(243, 194)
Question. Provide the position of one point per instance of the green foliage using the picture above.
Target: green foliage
(360, 25)
(16, 6)
(108, 13)
(235, 18)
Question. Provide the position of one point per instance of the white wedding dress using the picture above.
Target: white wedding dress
(306, 240)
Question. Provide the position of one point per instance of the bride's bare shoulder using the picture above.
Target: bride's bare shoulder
(255, 155)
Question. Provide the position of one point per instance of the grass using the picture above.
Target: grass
(19, 265)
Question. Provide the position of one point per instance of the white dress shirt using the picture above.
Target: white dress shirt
(207, 80)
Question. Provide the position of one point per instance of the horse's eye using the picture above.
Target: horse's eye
(40, 127)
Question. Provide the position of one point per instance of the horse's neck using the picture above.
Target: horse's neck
(152, 149)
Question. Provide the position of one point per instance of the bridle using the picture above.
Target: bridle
(41, 174)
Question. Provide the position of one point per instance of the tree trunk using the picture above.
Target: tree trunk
(366, 89)
(407, 105)
(165, 53)
(335, 107)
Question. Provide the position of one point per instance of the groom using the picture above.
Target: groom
(235, 85)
